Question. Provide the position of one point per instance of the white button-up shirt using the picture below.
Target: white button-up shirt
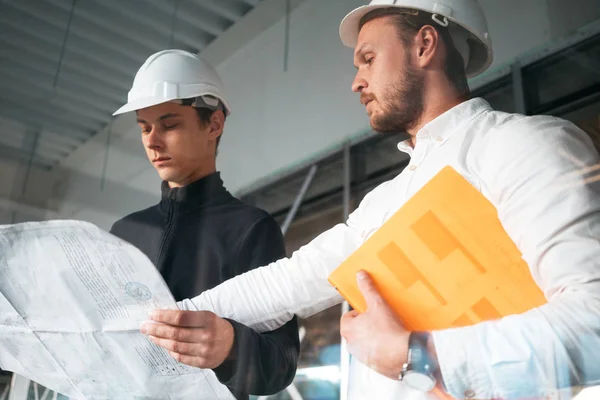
(542, 175)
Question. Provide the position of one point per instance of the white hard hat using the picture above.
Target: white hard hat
(464, 18)
(172, 75)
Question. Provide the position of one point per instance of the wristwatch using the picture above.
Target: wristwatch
(417, 372)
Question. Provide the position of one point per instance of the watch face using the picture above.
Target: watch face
(417, 381)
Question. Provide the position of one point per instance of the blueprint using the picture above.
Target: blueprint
(72, 300)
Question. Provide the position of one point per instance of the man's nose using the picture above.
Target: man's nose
(359, 83)
(153, 140)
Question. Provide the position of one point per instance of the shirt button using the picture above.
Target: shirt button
(469, 394)
(412, 167)
(439, 139)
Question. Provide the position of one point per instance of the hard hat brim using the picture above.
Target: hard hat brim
(349, 26)
(153, 101)
(140, 104)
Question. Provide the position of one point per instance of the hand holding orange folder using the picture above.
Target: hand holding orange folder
(443, 260)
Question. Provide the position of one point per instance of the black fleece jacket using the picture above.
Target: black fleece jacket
(199, 236)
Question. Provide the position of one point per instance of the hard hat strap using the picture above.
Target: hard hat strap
(186, 102)
(209, 102)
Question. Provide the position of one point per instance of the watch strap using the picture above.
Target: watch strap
(417, 345)
(418, 355)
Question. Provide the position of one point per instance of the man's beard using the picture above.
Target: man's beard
(402, 104)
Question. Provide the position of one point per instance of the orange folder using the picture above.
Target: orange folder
(443, 260)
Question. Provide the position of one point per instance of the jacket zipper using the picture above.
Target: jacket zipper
(166, 238)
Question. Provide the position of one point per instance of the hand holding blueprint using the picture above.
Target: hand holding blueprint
(72, 300)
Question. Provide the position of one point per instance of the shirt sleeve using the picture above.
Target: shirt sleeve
(267, 297)
(542, 175)
(261, 364)
(115, 229)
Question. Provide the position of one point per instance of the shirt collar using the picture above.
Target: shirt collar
(441, 128)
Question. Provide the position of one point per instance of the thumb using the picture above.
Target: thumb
(367, 287)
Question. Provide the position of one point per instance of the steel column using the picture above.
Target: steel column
(518, 89)
(298, 201)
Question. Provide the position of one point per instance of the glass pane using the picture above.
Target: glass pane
(318, 375)
(561, 78)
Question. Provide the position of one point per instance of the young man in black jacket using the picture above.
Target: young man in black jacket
(199, 235)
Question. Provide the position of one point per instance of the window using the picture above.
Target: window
(566, 77)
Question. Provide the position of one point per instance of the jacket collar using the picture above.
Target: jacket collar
(204, 192)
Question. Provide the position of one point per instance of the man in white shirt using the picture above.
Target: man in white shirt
(413, 59)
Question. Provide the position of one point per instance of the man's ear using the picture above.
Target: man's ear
(217, 122)
(426, 45)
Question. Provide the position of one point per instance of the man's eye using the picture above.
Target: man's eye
(369, 60)
(170, 127)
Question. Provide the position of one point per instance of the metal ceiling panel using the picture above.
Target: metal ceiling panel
(46, 72)
(14, 138)
(231, 10)
(40, 122)
(75, 120)
(19, 135)
(98, 68)
(25, 80)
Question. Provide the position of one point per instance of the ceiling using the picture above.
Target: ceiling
(66, 65)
